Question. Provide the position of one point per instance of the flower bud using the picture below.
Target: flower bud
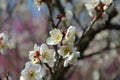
(64, 19)
(105, 8)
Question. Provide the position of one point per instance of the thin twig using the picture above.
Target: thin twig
(50, 69)
(60, 7)
(57, 57)
(50, 12)
(58, 62)
(89, 28)
(100, 51)
(58, 23)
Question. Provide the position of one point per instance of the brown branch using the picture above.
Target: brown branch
(89, 28)
(50, 69)
(59, 74)
(89, 34)
(84, 43)
(60, 7)
(50, 12)
(58, 23)
(113, 26)
(99, 52)
(86, 38)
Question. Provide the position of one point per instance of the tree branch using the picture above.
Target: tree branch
(113, 26)
(89, 34)
(51, 15)
(60, 7)
(99, 52)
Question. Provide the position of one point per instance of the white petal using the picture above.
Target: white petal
(61, 52)
(65, 56)
(62, 48)
(70, 57)
(43, 47)
(36, 68)
(36, 47)
(65, 63)
(50, 41)
(22, 78)
(52, 52)
(28, 64)
(56, 37)
(70, 35)
(77, 54)
(71, 29)
(55, 32)
(44, 60)
(91, 4)
(31, 55)
(73, 59)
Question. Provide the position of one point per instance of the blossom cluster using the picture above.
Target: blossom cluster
(41, 55)
(3, 43)
(94, 7)
(6, 43)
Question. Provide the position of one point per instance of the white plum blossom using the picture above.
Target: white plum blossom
(32, 72)
(95, 6)
(72, 59)
(47, 55)
(42, 54)
(66, 50)
(55, 37)
(34, 55)
(3, 43)
(70, 35)
(91, 4)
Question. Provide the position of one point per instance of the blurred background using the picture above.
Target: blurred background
(25, 25)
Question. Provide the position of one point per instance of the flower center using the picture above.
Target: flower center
(45, 55)
(57, 37)
(37, 54)
(66, 50)
(31, 74)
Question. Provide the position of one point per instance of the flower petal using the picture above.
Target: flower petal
(43, 47)
(50, 41)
